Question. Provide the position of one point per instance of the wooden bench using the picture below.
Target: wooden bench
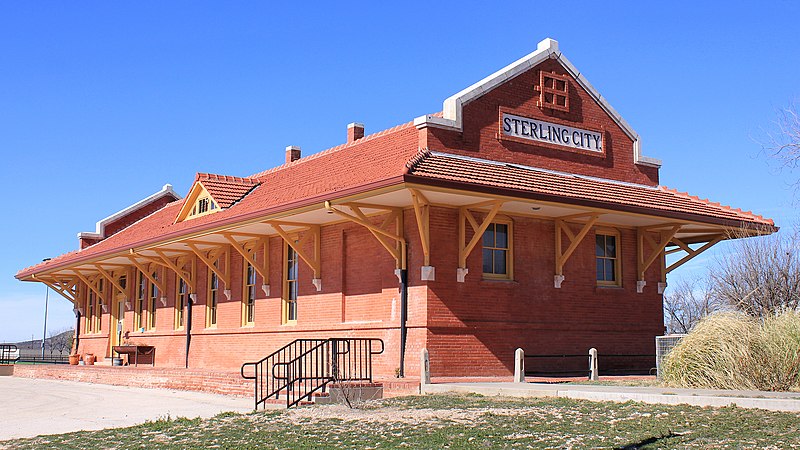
(135, 351)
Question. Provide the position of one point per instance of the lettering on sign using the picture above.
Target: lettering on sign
(551, 133)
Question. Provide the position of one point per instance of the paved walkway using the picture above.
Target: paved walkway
(774, 401)
(32, 407)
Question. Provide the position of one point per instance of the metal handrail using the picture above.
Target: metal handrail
(6, 350)
(311, 364)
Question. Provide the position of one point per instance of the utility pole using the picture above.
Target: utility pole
(46, 300)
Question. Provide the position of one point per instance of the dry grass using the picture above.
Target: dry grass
(736, 351)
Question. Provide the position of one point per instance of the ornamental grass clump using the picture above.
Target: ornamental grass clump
(736, 351)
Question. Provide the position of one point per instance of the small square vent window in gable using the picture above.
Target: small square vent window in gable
(211, 193)
(553, 91)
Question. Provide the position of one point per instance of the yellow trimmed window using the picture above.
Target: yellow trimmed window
(497, 251)
(151, 307)
(249, 296)
(212, 298)
(141, 299)
(181, 300)
(289, 310)
(607, 258)
(90, 311)
(98, 308)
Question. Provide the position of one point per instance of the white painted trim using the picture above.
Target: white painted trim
(100, 227)
(548, 48)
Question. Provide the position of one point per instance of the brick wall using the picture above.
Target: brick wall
(481, 132)
(475, 326)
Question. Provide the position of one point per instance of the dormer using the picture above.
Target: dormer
(211, 193)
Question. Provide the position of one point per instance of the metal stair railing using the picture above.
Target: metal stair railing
(305, 366)
(9, 353)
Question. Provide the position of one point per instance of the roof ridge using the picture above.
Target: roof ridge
(422, 153)
(228, 178)
(334, 149)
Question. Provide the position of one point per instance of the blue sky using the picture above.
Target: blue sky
(102, 104)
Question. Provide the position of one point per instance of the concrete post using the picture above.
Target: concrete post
(519, 366)
(424, 367)
(593, 364)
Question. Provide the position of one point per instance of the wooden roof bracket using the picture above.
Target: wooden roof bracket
(644, 259)
(67, 289)
(313, 260)
(563, 228)
(114, 284)
(162, 288)
(187, 276)
(392, 241)
(464, 247)
(251, 257)
(211, 258)
(91, 284)
(422, 212)
(690, 253)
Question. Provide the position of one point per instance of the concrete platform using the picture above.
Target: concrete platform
(773, 401)
(32, 407)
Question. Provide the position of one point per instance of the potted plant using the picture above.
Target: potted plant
(74, 358)
(89, 358)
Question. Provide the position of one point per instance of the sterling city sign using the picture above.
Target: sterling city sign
(551, 133)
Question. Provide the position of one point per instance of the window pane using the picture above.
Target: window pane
(500, 262)
(600, 270)
(292, 291)
(600, 244)
(487, 260)
(501, 235)
(488, 236)
(611, 246)
(292, 313)
(609, 263)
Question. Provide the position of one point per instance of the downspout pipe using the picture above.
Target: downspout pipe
(189, 304)
(403, 318)
(77, 339)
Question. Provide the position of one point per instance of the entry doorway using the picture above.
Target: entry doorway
(117, 325)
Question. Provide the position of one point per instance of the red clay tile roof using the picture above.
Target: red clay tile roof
(558, 186)
(388, 158)
(373, 161)
(225, 189)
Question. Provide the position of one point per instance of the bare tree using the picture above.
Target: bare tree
(686, 303)
(60, 341)
(783, 144)
(761, 276)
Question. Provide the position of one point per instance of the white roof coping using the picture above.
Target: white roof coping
(355, 125)
(292, 147)
(100, 227)
(548, 48)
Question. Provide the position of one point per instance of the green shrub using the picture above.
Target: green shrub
(736, 351)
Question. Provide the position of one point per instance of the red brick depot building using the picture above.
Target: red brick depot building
(522, 215)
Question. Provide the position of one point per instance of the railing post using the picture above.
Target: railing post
(593, 364)
(519, 366)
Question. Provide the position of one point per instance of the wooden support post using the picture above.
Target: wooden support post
(422, 213)
(562, 256)
(645, 259)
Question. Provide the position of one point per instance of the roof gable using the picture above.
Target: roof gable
(211, 193)
(452, 115)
